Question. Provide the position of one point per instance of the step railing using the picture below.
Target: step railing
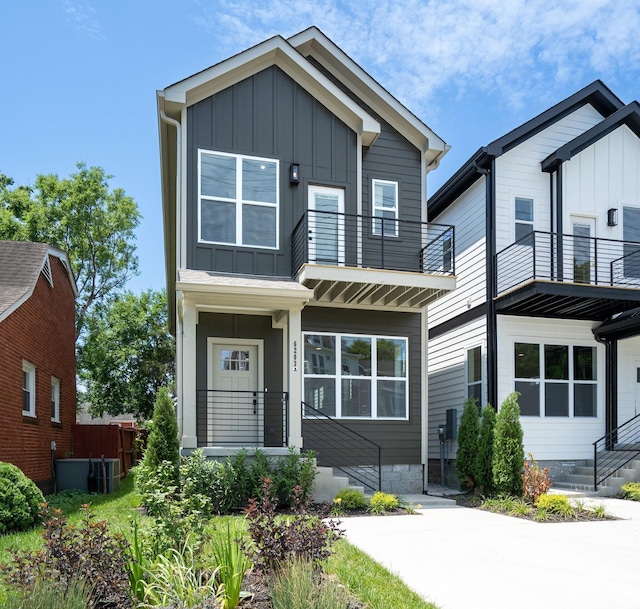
(342, 448)
(615, 449)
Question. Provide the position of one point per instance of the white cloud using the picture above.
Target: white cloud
(81, 16)
(421, 49)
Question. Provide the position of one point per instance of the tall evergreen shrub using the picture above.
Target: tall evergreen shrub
(484, 456)
(508, 450)
(468, 434)
(163, 444)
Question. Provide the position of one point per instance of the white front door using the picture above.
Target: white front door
(235, 409)
(326, 225)
(584, 263)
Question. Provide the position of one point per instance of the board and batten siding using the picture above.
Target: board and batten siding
(552, 438)
(604, 175)
(268, 115)
(518, 172)
(468, 215)
(400, 440)
(447, 377)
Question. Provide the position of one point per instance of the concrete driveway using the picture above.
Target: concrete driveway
(461, 558)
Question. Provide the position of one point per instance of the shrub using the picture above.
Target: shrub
(47, 594)
(535, 481)
(555, 504)
(20, 500)
(275, 541)
(351, 498)
(484, 456)
(468, 433)
(90, 549)
(508, 452)
(631, 490)
(382, 502)
(295, 470)
(163, 444)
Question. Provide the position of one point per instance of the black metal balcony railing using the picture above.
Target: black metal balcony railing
(337, 239)
(568, 259)
(242, 418)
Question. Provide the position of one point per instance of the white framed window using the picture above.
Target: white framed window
(55, 399)
(385, 208)
(556, 380)
(356, 376)
(238, 200)
(631, 233)
(28, 389)
(474, 374)
(524, 219)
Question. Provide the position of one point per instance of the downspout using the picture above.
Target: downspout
(178, 127)
(559, 227)
(611, 386)
(490, 263)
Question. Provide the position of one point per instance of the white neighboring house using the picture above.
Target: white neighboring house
(547, 224)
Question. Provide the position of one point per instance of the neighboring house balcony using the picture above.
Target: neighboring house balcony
(373, 262)
(242, 418)
(567, 276)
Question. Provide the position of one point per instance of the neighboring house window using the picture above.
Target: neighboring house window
(28, 389)
(474, 374)
(524, 219)
(631, 232)
(556, 380)
(447, 253)
(385, 205)
(354, 376)
(55, 399)
(238, 200)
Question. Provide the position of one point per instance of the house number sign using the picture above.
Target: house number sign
(295, 356)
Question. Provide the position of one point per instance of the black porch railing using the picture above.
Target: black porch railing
(341, 448)
(337, 239)
(568, 259)
(242, 418)
(615, 449)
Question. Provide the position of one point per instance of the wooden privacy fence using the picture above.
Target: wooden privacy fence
(112, 441)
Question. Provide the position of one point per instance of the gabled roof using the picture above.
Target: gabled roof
(629, 116)
(21, 263)
(597, 94)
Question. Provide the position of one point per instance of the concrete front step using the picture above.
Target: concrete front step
(327, 485)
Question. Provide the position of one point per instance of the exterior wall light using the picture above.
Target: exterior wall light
(294, 173)
(612, 217)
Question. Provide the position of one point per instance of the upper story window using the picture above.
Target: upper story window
(556, 380)
(524, 219)
(55, 399)
(385, 207)
(474, 374)
(631, 232)
(238, 200)
(28, 389)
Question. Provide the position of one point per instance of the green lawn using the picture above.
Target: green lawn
(367, 579)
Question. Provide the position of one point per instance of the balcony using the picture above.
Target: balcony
(567, 276)
(373, 262)
(242, 418)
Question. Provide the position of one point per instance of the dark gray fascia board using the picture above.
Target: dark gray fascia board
(629, 116)
(625, 325)
(460, 181)
(597, 94)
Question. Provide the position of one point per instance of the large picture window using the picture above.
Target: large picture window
(556, 380)
(354, 376)
(238, 198)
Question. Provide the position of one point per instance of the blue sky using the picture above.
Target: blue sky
(79, 76)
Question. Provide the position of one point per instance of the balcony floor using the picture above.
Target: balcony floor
(567, 300)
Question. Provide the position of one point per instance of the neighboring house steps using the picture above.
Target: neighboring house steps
(581, 479)
(327, 485)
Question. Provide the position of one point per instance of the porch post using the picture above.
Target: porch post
(296, 363)
(189, 437)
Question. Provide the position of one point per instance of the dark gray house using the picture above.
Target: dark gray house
(299, 260)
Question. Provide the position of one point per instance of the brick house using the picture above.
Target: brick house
(37, 357)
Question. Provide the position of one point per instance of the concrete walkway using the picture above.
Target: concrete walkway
(460, 558)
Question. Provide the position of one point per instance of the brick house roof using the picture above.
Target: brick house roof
(21, 263)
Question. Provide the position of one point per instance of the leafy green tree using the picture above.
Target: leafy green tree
(128, 353)
(468, 434)
(484, 456)
(163, 444)
(82, 216)
(508, 449)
